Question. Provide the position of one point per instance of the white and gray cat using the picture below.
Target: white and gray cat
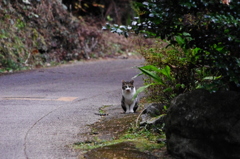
(129, 104)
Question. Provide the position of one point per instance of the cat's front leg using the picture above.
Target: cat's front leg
(128, 109)
(131, 108)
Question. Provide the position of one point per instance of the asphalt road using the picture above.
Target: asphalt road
(44, 111)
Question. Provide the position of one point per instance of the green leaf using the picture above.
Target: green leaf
(180, 40)
(165, 107)
(151, 68)
(151, 74)
(137, 75)
(167, 72)
(212, 78)
(168, 90)
(141, 89)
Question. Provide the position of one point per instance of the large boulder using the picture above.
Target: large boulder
(201, 125)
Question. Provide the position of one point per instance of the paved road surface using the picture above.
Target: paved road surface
(44, 111)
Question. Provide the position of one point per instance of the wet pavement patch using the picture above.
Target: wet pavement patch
(124, 150)
(63, 99)
(115, 137)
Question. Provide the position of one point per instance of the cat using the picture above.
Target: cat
(129, 105)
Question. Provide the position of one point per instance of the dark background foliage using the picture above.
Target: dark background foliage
(211, 26)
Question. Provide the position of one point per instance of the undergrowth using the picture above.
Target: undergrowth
(144, 140)
(122, 130)
(171, 70)
(156, 54)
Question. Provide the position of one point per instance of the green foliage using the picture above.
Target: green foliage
(14, 43)
(203, 36)
(210, 27)
(143, 139)
(171, 70)
(20, 24)
(160, 76)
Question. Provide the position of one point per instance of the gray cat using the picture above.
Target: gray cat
(129, 104)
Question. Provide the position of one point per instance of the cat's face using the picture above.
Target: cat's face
(127, 86)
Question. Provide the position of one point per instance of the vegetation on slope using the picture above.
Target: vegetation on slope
(43, 32)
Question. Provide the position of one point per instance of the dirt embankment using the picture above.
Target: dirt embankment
(34, 33)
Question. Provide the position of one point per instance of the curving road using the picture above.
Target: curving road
(44, 111)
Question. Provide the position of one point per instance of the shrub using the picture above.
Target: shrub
(208, 27)
(204, 41)
(170, 71)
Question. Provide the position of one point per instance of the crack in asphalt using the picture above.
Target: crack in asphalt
(94, 84)
(27, 133)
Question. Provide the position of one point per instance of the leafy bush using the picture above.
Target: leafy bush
(204, 41)
(169, 72)
(209, 28)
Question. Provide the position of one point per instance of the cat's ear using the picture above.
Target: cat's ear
(123, 81)
(132, 81)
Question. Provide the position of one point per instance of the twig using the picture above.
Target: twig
(29, 55)
(139, 116)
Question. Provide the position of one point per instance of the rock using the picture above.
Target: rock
(152, 115)
(200, 125)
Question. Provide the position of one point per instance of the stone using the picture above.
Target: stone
(152, 116)
(201, 125)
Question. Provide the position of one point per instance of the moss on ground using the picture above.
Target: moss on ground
(116, 135)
